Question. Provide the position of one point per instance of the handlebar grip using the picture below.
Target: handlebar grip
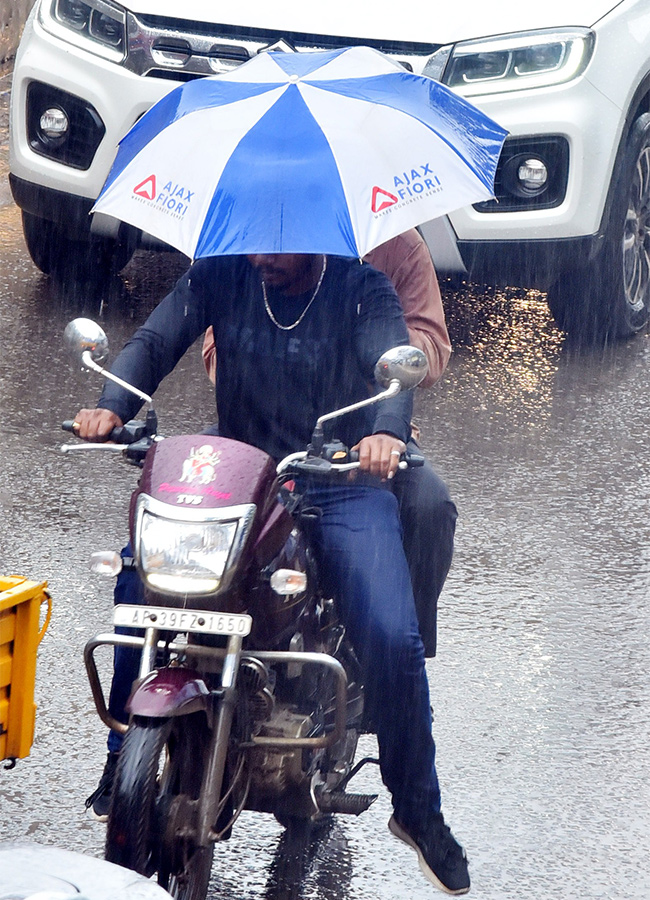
(409, 459)
(125, 434)
(414, 459)
(120, 435)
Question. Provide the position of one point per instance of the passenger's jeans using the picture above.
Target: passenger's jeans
(428, 516)
(359, 545)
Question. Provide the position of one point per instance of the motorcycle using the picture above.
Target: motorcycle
(249, 695)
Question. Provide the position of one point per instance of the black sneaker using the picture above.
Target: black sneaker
(442, 859)
(100, 800)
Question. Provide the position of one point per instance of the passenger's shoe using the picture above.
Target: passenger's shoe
(442, 859)
(100, 800)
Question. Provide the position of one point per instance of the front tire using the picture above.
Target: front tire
(159, 760)
(609, 298)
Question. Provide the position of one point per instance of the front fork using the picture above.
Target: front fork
(213, 775)
(212, 783)
(189, 695)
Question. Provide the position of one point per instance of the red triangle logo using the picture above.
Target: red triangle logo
(381, 199)
(146, 188)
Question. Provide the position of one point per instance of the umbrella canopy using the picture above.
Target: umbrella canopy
(331, 152)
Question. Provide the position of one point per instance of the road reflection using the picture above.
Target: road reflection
(515, 349)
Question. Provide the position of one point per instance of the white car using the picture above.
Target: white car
(31, 871)
(569, 79)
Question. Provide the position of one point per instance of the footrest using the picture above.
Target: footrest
(348, 804)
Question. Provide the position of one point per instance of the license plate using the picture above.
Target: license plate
(197, 621)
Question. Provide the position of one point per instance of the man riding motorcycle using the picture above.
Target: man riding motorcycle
(427, 512)
(299, 335)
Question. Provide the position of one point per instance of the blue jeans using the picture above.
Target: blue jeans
(428, 516)
(359, 547)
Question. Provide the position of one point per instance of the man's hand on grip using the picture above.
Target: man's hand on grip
(95, 424)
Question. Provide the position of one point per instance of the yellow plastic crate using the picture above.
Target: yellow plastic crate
(20, 635)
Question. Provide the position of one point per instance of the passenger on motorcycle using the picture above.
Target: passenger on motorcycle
(299, 335)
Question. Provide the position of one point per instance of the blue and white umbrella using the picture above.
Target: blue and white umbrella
(331, 152)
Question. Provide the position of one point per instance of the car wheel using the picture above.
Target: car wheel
(610, 297)
(69, 259)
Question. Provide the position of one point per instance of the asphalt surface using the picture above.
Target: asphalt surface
(540, 687)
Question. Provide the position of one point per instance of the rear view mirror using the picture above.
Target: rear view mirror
(85, 336)
(404, 364)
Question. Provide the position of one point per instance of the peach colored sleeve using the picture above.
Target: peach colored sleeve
(407, 262)
(417, 287)
(209, 354)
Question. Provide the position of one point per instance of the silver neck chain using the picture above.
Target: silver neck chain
(302, 315)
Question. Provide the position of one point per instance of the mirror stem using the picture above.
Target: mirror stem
(391, 391)
(90, 363)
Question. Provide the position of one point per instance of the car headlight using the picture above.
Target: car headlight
(188, 551)
(96, 25)
(513, 62)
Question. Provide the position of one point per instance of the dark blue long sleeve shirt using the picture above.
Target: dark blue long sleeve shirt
(273, 384)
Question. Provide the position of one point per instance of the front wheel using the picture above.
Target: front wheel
(159, 761)
(609, 298)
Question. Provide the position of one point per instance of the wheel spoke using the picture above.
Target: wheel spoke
(643, 169)
(644, 267)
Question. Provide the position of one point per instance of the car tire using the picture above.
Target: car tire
(609, 298)
(70, 259)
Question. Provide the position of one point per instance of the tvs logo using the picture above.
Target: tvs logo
(146, 188)
(381, 199)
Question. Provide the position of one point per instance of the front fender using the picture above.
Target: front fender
(168, 692)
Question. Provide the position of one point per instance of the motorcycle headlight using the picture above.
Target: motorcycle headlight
(188, 551)
(513, 62)
(98, 26)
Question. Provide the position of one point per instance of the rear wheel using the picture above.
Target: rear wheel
(159, 761)
(73, 259)
(610, 297)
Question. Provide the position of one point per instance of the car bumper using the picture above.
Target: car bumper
(591, 125)
(47, 203)
(536, 264)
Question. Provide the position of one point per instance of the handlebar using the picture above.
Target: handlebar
(133, 440)
(126, 434)
(321, 466)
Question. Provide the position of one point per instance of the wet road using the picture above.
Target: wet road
(541, 683)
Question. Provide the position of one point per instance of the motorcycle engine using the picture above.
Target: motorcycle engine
(274, 772)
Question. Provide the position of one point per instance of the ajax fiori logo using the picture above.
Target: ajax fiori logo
(407, 187)
(381, 199)
(174, 199)
(146, 188)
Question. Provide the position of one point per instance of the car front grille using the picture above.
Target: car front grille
(181, 49)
